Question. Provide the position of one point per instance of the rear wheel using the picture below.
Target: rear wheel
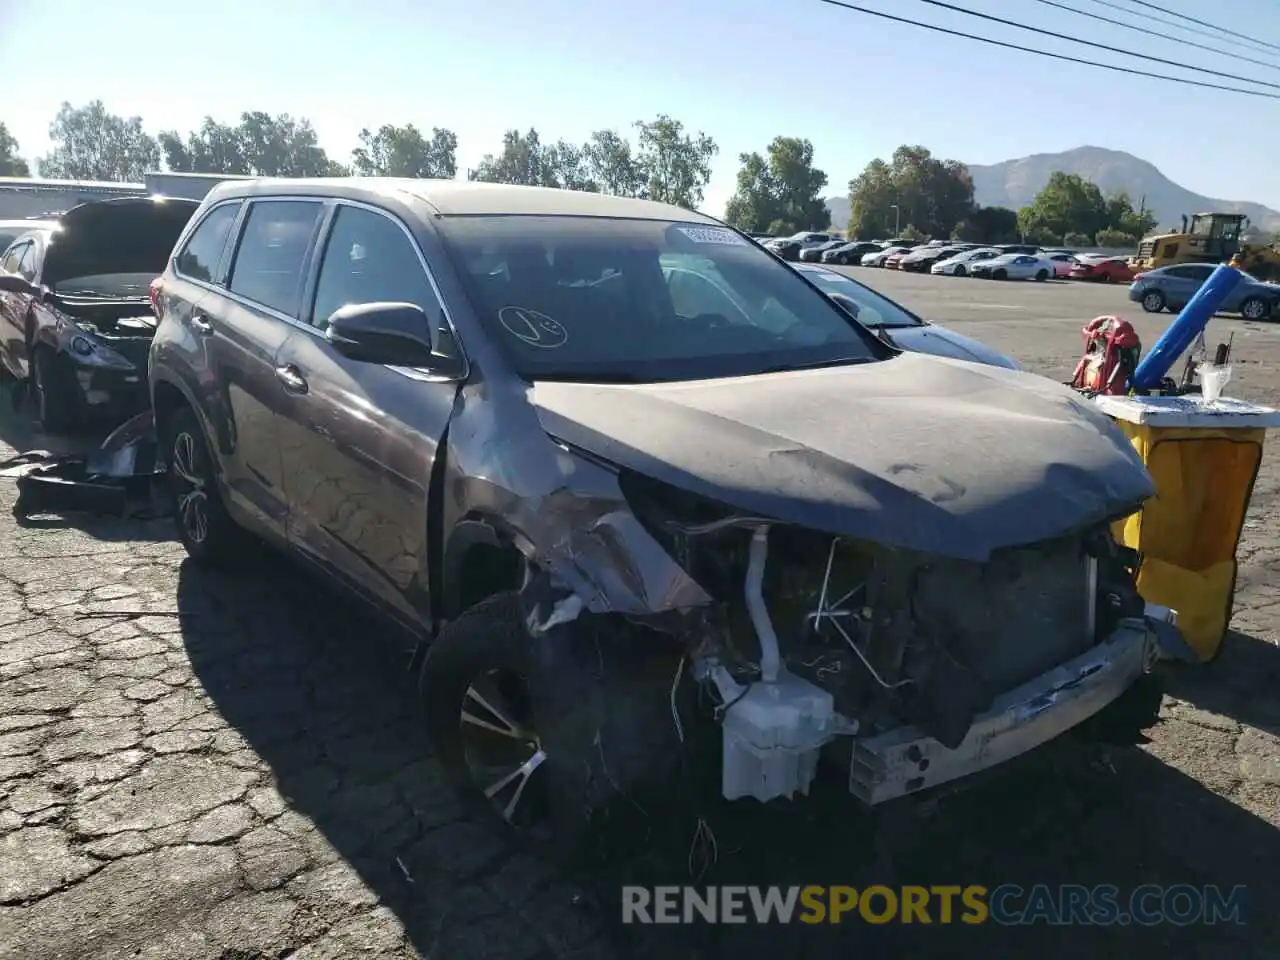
(1255, 308)
(960, 271)
(1042, 275)
(204, 526)
(55, 391)
(1153, 301)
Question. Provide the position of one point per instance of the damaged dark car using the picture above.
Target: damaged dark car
(78, 340)
(618, 521)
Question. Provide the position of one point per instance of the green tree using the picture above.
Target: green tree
(11, 165)
(525, 159)
(912, 232)
(1067, 204)
(934, 195)
(1122, 216)
(1077, 240)
(780, 193)
(259, 145)
(988, 225)
(92, 144)
(281, 146)
(214, 148)
(610, 163)
(1115, 239)
(677, 165)
(405, 152)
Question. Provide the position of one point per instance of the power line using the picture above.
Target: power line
(1006, 45)
(1211, 26)
(1156, 33)
(1097, 46)
(1170, 23)
(1054, 56)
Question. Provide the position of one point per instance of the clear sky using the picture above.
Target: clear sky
(741, 70)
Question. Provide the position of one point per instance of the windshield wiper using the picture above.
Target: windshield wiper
(813, 364)
(591, 376)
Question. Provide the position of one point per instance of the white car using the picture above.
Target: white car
(962, 263)
(1014, 266)
(1062, 263)
(878, 258)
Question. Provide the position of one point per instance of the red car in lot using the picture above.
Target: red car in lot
(1103, 270)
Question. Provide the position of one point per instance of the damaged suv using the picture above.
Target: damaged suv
(79, 339)
(615, 518)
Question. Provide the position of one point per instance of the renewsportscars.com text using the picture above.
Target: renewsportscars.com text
(1006, 905)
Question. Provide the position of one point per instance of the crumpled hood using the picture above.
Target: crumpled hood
(927, 454)
(124, 235)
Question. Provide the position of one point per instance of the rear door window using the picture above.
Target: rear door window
(273, 248)
(202, 253)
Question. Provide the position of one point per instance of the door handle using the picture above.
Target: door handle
(201, 324)
(293, 380)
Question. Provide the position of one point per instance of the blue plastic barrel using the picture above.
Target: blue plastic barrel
(1186, 326)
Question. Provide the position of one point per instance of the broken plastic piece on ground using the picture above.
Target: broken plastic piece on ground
(62, 484)
(129, 451)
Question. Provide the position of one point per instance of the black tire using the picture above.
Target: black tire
(1255, 308)
(205, 528)
(54, 391)
(960, 271)
(1153, 301)
(1042, 276)
(1000, 275)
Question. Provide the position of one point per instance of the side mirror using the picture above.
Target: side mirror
(390, 333)
(846, 303)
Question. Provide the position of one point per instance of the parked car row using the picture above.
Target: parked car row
(951, 259)
(470, 406)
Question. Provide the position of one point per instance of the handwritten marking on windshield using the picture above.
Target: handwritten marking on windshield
(534, 328)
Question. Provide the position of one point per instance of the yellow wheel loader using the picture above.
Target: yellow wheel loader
(1208, 238)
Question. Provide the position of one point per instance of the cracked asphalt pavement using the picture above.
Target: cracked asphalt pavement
(233, 767)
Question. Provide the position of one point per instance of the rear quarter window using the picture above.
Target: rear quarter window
(202, 253)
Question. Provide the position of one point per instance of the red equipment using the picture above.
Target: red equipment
(1111, 353)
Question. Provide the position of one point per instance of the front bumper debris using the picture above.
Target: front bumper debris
(905, 760)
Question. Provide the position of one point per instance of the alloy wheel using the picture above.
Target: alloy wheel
(1153, 302)
(503, 751)
(192, 495)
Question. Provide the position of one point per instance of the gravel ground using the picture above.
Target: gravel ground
(233, 767)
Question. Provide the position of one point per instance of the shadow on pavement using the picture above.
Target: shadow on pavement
(331, 709)
(1242, 682)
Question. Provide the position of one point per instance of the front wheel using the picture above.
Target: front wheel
(960, 271)
(1000, 275)
(1153, 301)
(1255, 308)
(55, 391)
(204, 526)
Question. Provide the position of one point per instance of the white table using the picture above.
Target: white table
(1225, 413)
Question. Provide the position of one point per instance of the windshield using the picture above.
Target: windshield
(7, 237)
(873, 309)
(643, 300)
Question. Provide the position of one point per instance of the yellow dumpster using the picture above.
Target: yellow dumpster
(1203, 458)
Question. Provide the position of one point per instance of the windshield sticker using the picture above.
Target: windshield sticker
(534, 328)
(711, 235)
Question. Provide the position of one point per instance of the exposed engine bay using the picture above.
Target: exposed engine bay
(811, 636)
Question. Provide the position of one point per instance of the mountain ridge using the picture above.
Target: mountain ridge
(1015, 183)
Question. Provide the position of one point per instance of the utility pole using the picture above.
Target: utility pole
(897, 220)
